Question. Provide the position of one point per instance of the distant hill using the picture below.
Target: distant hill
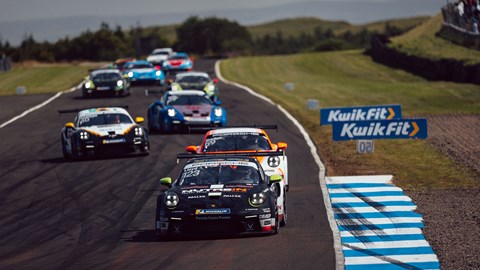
(296, 26)
(351, 11)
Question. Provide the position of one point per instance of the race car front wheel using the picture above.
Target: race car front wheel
(283, 222)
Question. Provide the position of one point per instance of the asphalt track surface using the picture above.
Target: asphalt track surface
(99, 214)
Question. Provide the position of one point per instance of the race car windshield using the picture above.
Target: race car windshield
(188, 100)
(103, 119)
(160, 53)
(219, 174)
(131, 66)
(106, 77)
(236, 142)
(177, 57)
(193, 79)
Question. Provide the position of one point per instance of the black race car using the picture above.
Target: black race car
(105, 82)
(218, 194)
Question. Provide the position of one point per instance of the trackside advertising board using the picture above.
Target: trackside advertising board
(383, 129)
(364, 113)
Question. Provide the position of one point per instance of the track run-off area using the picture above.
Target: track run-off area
(99, 213)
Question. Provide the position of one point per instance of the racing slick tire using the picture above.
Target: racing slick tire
(277, 224)
(145, 149)
(283, 222)
(75, 155)
(64, 151)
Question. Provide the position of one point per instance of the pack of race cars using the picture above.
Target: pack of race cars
(234, 181)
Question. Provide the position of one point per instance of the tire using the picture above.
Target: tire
(283, 222)
(75, 155)
(143, 151)
(277, 223)
(64, 151)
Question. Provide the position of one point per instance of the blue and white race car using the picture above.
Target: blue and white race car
(178, 110)
(142, 71)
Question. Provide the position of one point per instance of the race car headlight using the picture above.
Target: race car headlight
(158, 73)
(186, 62)
(84, 135)
(120, 83)
(130, 74)
(171, 200)
(138, 131)
(171, 112)
(89, 85)
(210, 87)
(257, 199)
(218, 112)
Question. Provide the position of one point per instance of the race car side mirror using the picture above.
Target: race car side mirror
(139, 120)
(282, 146)
(192, 149)
(215, 80)
(166, 181)
(275, 178)
(217, 103)
(70, 125)
(169, 81)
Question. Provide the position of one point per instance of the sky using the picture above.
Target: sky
(15, 10)
(50, 20)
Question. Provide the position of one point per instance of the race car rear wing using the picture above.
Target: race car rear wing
(197, 129)
(237, 153)
(76, 110)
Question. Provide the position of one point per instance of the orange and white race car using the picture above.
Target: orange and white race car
(253, 142)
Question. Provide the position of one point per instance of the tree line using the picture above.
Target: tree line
(209, 36)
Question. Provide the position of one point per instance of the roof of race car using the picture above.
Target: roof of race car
(191, 73)
(103, 110)
(235, 130)
(187, 92)
(106, 70)
(157, 50)
(219, 158)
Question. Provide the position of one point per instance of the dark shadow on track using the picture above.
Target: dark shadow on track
(150, 236)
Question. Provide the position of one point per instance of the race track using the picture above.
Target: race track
(99, 214)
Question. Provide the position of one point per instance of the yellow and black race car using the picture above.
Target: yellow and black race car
(108, 130)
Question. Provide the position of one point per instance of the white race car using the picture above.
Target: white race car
(108, 130)
(159, 55)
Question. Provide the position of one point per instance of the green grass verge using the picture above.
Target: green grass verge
(42, 78)
(423, 42)
(350, 78)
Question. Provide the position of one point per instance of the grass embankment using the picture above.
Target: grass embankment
(423, 42)
(350, 78)
(42, 78)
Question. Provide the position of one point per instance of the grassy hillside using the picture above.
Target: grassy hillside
(290, 27)
(379, 27)
(349, 78)
(422, 41)
(294, 27)
(43, 78)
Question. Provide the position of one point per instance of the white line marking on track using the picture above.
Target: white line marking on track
(339, 258)
(38, 106)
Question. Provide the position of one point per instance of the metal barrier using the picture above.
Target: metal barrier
(462, 30)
